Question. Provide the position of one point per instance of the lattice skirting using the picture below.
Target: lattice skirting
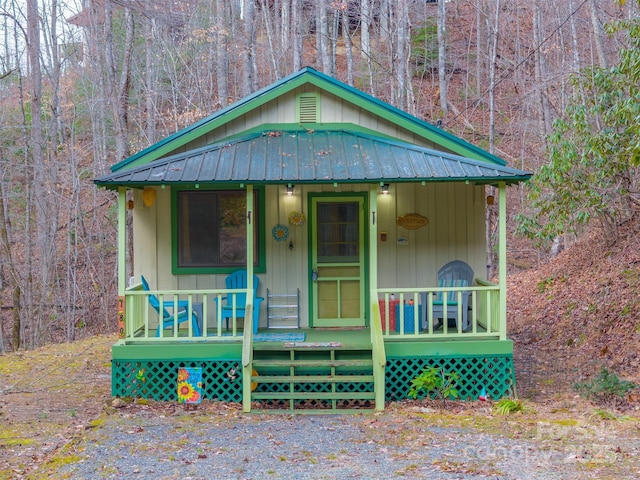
(222, 379)
(494, 373)
(157, 380)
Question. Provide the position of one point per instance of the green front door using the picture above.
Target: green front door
(337, 261)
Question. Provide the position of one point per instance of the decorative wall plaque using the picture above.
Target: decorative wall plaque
(412, 221)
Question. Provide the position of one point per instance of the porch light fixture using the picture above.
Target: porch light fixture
(385, 188)
(289, 189)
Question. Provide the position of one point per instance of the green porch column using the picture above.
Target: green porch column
(247, 350)
(122, 240)
(502, 257)
(373, 237)
(377, 344)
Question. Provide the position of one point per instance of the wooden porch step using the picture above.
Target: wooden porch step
(307, 378)
(313, 363)
(313, 396)
(312, 411)
(279, 347)
(311, 378)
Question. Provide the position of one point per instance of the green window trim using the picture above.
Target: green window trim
(259, 217)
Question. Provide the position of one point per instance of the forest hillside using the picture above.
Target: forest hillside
(84, 85)
(578, 313)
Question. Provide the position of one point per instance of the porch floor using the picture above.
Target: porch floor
(348, 337)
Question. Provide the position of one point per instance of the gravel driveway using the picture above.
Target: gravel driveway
(148, 443)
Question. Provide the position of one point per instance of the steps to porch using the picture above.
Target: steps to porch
(312, 377)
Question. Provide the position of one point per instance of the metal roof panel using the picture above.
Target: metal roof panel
(312, 156)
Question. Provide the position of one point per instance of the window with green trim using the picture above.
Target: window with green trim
(210, 230)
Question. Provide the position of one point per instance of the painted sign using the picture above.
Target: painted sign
(121, 314)
(412, 221)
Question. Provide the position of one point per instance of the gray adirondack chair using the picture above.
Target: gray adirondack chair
(454, 274)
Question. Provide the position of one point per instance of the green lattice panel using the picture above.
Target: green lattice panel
(157, 380)
(494, 373)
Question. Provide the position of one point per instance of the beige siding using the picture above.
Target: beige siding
(283, 110)
(455, 231)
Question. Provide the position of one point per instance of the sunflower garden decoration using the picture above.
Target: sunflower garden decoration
(297, 219)
(190, 385)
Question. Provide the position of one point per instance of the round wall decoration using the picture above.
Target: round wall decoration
(148, 196)
(280, 232)
(297, 219)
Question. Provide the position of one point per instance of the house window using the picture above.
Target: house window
(210, 231)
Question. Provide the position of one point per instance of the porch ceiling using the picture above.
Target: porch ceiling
(311, 156)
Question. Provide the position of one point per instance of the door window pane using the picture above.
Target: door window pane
(338, 232)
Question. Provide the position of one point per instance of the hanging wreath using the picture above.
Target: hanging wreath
(280, 233)
(297, 219)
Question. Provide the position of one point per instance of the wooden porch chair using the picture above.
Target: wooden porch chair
(238, 279)
(454, 274)
(166, 316)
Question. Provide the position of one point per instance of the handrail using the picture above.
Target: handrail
(483, 316)
(141, 321)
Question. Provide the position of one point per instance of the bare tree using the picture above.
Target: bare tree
(442, 56)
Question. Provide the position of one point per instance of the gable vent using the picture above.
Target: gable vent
(308, 108)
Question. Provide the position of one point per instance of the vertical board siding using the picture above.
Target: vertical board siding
(455, 230)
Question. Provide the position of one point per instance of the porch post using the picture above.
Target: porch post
(379, 358)
(247, 350)
(122, 240)
(502, 257)
(250, 226)
(373, 237)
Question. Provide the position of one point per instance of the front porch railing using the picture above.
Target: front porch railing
(141, 321)
(419, 323)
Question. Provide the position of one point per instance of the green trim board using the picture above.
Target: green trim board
(448, 348)
(182, 351)
(323, 82)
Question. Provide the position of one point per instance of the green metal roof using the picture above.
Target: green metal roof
(311, 156)
(324, 82)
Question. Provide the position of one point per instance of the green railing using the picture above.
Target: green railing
(483, 314)
(141, 321)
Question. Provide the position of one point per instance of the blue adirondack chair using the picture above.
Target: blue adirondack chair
(167, 320)
(238, 279)
(454, 274)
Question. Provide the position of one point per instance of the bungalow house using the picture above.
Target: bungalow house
(292, 247)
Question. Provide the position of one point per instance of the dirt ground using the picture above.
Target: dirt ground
(54, 398)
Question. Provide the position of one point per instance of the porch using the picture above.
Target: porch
(319, 370)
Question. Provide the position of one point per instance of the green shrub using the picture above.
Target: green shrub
(606, 388)
(435, 382)
(506, 406)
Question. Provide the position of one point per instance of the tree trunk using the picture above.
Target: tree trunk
(401, 54)
(296, 20)
(442, 57)
(494, 29)
(365, 40)
(540, 69)
(322, 36)
(248, 78)
(221, 38)
(598, 35)
(119, 88)
(348, 46)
